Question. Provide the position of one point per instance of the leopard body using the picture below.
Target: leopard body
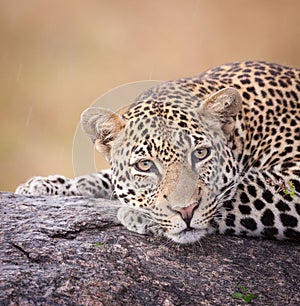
(219, 152)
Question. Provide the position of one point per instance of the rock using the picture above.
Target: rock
(63, 251)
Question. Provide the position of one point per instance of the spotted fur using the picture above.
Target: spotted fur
(219, 152)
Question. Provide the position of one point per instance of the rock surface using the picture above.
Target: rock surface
(61, 251)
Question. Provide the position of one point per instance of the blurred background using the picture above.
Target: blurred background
(58, 56)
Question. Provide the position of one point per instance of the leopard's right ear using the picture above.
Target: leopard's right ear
(102, 126)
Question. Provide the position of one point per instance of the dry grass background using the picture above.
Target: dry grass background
(58, 56)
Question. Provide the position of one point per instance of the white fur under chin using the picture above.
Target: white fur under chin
(186, 237)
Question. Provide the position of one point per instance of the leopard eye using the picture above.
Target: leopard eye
(201, 153)
(144, 165)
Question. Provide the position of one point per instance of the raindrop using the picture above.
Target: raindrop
(28, 116)
(19, 72)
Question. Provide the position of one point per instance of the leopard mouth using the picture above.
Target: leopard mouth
(188, 235)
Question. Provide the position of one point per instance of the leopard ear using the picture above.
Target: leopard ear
(102, 127)
(224, 105)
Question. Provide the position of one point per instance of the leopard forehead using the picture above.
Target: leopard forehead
(166, 129)
(162, 118)
(168, 106)
(166, 112)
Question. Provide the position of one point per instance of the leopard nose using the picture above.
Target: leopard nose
(186, 213)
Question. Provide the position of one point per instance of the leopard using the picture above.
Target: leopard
(218, 153)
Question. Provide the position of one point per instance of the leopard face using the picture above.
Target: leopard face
(172, 160)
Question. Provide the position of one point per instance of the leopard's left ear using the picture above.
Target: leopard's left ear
(224, 105)
(102, 126)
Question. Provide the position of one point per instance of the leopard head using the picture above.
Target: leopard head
(170, 156)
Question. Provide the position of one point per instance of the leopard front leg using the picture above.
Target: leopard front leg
(50, 185)
(136, 221)
(97, 185)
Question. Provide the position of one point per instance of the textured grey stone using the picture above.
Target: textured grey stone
(50, 256)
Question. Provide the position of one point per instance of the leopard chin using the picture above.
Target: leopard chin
(188, 236)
